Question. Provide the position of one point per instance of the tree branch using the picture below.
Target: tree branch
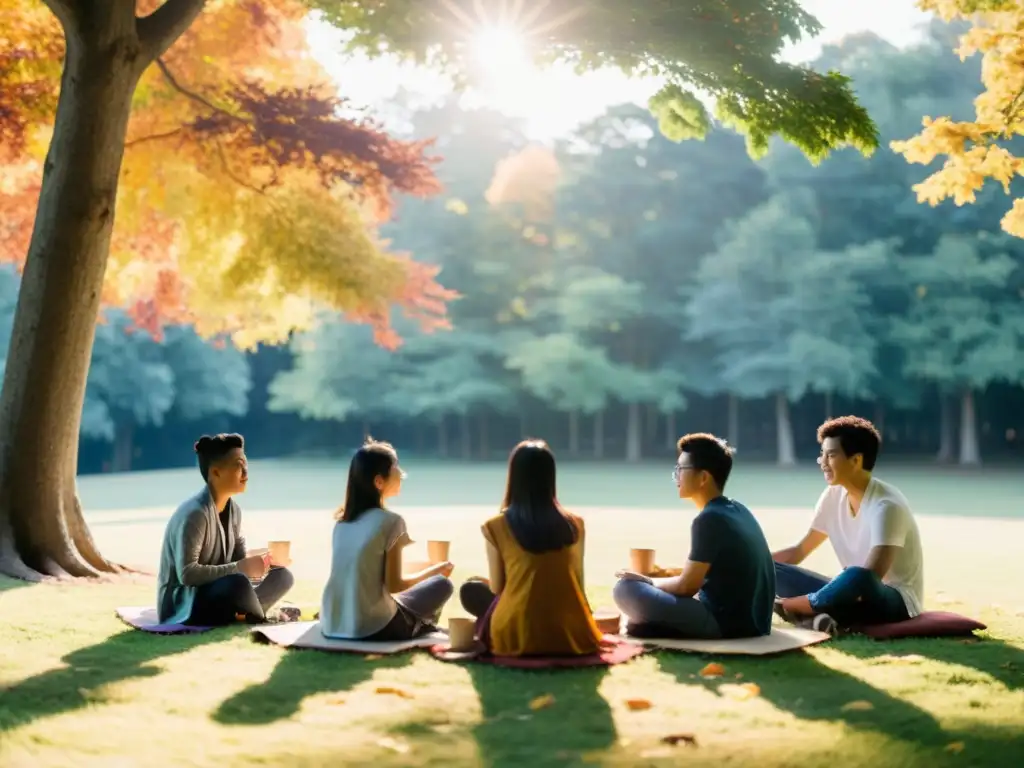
(158, 31)
(66, 12)
(192, 94)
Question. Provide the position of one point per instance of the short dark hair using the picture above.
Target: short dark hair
(373, 459)
(536, 519)
(855, 435)
(212, 448)
(708, 453)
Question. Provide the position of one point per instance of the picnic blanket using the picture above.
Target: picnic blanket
(781, 640)
(145, 618)
(307, 634)
(619, 652)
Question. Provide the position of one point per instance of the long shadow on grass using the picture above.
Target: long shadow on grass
(298, 675)
(7, 584)
(810, 690)
(511, 735)
(126, 655)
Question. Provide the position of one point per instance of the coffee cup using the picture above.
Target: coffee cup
(461, 634)
(641, 561)
(607, 620)
(280, 552)
(437, 551)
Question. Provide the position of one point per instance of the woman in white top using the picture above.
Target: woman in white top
(367, 596)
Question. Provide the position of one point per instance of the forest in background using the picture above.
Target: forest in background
(620, 288)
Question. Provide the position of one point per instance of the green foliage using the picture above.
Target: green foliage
(728, 49)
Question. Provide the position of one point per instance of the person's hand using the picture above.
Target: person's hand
(445, 568)
(253, 567)
(632, 576)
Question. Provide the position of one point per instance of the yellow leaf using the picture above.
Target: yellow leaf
(858, 706)
(955, 747)
(387, 689)
(542, 702)
(712, 670)
(373, 656)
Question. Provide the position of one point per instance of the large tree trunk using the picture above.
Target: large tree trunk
(784, 431)
(599, 435)
(42, 532)
(733, 432)
(634, 433)
(574, 433)
(947, 429)
(124, 446)
(970, 454)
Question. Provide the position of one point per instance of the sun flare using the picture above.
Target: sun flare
(500, 52)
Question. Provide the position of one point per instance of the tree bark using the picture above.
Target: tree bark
(42, 531)
(634, 433)
(485, 447)
(599, 435)
(733, 435)
(574, 433)
(970, 454)
(947, 429)
(784, 431)
(442, 437)
(124, 446)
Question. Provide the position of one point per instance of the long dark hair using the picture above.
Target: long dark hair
(531, 506)
(374, 459)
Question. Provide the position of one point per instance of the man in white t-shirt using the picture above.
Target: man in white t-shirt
(874, 536)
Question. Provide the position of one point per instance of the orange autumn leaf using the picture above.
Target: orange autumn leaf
(638, 705)
(542, 702)
(390, 690)
(712, 670)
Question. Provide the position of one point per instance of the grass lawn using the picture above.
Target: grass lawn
(77, 688)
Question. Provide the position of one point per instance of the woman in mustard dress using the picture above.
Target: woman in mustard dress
(535, 563)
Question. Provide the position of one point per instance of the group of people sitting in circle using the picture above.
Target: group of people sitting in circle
(533, 600)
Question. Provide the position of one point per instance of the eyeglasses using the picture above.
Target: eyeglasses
(677, 472)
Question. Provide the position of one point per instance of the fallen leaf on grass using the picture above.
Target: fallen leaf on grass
(393, 744)
(373, 656)
(713, 670)
(858, 706)
(956, 747)
(638, 705)
(738, 675)
(741, 692)
(387, 689)
(542, 702)
(680, 738)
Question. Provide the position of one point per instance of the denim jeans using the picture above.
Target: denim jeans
(651, 612)
(419, 608)
(855, 597)
(218, 602)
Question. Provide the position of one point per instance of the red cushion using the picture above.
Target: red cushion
(927, 624)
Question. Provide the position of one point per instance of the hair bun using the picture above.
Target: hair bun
(202, 443)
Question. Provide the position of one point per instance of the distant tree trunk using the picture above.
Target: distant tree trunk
(634, 433)
(652, 423)
(879, 420)
(124, 446)
(733, 435)
(522, 426)
(599, 435)
(484, 448)
(671, 438)
(947, 429)
(442, 436)
(421, 438)
(970, 454)
(466, 434)
(574, 433)
(828, 406)
(784, 431)
(42, 530)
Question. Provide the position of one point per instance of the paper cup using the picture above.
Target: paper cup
(462, 634)
(437, 551)
(280, 552)
(641, 561)
(607, 620)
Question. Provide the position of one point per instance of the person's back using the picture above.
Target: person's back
(542, 609)
(739, 588)
(356, 602)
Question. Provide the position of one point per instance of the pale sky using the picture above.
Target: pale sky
(554, 101)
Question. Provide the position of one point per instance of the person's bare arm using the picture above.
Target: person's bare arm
(395, 580)
(880, 559)
(799, 552)
(495, 569)
(686, 584)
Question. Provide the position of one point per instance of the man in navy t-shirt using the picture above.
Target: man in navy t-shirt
(730, 569)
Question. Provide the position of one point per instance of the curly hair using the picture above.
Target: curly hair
(855, 435)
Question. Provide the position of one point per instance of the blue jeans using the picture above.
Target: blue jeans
(652, 612)
(855, 597)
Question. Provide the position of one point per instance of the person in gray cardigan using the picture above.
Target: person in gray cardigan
(204, 572)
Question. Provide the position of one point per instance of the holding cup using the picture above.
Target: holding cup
(461, 635)
(280, 552)
(641, 561)
(437, 551)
